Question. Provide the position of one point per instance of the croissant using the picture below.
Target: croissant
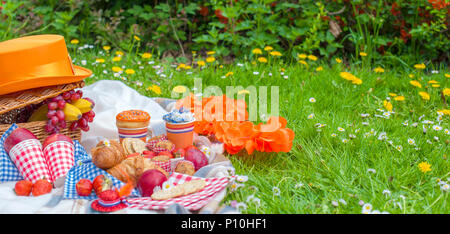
(133, 167)
(107, 154)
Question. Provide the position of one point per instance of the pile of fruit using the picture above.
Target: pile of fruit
(68, 106)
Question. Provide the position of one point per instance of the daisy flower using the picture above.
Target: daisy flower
(276, 191)
(437, 127)
(411, 141)
(311, 116)
(370, 170)
(312, 100)
(340, 129)
(367, 208)
(241, 178)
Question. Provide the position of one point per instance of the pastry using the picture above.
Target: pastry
(185, 167)
(133, 167)
(107, 154)
(165, 144)
(133, 124)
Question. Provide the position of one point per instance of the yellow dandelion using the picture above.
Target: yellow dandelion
(275, 53)
(119, 53)
(387, 105)
(357, 81)
(363, 54)
(136, 38)
(210, 59)
(268, 48)
(201, 63)
(302, 56)
(392, 94)
(424, 95)
(312, 57)
(229, 74)
(338, 60)
(347, 76)
(420, 66)
(74, 41)
(447, 75)
(116, 69)
(415, 83)
(187, 67)
(146, 55)
(262, 60)
(411, 76)
(435, 85)
(117, 59)
(210, 52)
(107, 48)
(444, 112)
(303, 62)
(181, 65)
(446, 92)
(130, 71)
(433, 82)
(179, 89)
(378, 70)
(320, 68)
(399, 98)
(257, 51)
(424, 167)
(155, 88)
(100, 60)
(221, 66)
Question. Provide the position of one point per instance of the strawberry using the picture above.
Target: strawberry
(179, 153)
(167, 153)
(84, 187)
(23, 188)
(101, 183)
(42, 187)
(148, 154)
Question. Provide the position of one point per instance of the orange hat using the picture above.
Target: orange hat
(36, 61)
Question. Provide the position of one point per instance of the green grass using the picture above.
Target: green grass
(321, 168)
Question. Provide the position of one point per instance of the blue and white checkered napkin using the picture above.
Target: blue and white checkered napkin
(85, 169)
(8, 170)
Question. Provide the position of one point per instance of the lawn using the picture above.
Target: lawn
(349, 152)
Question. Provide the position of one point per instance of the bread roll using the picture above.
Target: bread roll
(107, 154)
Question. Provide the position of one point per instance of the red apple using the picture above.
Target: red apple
(149, 180)
(179, 153)
(197, 157)
(16, 136)
(56, 137)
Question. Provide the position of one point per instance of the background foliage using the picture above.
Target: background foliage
(397, 31)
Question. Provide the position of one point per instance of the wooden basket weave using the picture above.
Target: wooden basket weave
(22, 99)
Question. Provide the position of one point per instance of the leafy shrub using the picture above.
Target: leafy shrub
(402, 31)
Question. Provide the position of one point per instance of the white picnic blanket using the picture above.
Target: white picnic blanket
(111, 97)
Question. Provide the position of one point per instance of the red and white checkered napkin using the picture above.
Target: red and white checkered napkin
(193, 201)
(60, 158)
(29, 159)
(167, 166)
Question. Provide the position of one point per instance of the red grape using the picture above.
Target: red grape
(66, 95)
(60, 115)
(62, 124)
(73, 126)
(86, 128)
(61, 104)
(79, 92)
(49, 127)
(75, 97)
(52, 105)
(51, 113)
(54, 120)
(82, 123)
(90, 113)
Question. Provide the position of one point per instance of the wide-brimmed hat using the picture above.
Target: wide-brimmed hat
(37, 61)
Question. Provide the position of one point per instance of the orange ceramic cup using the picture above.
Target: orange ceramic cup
(181, 134)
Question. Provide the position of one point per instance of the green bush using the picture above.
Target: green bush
(394, 31)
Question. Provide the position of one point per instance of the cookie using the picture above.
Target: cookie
(162, 158)
(138, 145)
(185, 167)
(193, 186)
(167, 194)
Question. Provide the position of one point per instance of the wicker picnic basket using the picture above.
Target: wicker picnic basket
(17, 103)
